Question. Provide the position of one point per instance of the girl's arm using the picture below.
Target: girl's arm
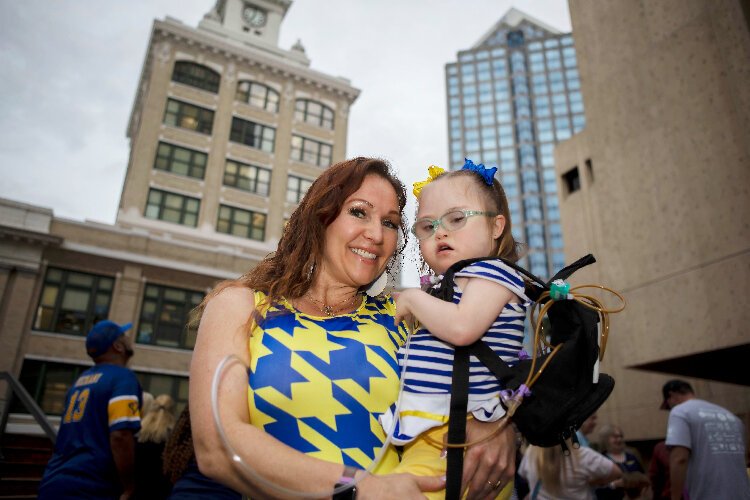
(222, 332)
(459, 324)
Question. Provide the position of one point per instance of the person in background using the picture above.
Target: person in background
(587, 428)
(157, 425)
(181, 469)
(147, 399)
(707, 447)
(634, 480)
(95, 449)
(658, 472)
(553, 475)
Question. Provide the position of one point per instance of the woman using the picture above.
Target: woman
(551, 474)
(612, 446)
(322, 354)
(182, 471)
(157, 425)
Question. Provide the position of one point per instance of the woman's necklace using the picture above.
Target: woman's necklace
(331, 310)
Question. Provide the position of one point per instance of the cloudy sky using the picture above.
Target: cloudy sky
(69, 69)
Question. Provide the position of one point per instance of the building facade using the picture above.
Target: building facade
(511, 97)
(656, 187)
(227, 132)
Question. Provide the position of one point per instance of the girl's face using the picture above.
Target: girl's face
(478, 236)
(364, 236)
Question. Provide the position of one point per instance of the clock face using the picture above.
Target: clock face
(254, 16)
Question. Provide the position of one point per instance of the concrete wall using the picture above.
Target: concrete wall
(666, 210)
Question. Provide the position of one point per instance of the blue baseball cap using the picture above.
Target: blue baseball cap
(103, 335)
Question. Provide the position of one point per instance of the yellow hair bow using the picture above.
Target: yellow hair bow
(434, 173)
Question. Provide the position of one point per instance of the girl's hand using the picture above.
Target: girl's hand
(403, 305)
(398, 486)
(491, 465)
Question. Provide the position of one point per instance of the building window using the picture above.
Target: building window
(172, 207)
(314, 113)
(296, 188)
(180, 160)
(247, 177)
(189, 116)
(310, 151)
(515, 39)
(590, 170)
(47, 383)
(243, 223)
(538, 264)
(571, 181)
(535, 235)
(165, 317)
(258, 95)
(158, 384)
(253, 134)
(72, 302)
(196, 75)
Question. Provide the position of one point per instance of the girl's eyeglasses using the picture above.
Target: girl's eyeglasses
(424, 228)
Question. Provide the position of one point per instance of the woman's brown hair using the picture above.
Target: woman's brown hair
(178, 452)
(290, 270)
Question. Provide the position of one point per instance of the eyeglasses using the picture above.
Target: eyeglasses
(424, 228)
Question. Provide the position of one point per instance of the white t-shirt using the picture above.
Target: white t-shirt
(581, 467)
(715, 437)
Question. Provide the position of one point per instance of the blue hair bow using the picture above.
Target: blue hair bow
(488, 174)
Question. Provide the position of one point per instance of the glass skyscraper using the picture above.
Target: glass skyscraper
(511, 97)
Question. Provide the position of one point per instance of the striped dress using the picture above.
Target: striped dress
(425, 401)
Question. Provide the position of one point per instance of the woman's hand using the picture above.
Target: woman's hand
(490, 465)
(397, 486)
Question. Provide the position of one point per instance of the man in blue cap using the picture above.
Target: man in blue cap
(95, 449)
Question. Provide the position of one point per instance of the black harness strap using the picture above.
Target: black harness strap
(457, 422)
(491, 360)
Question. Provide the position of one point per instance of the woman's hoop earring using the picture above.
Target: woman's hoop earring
(377, 286)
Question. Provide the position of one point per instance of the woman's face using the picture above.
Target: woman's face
(359, 242)
(616, 442)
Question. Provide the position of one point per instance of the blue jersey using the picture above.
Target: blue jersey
(104, 398)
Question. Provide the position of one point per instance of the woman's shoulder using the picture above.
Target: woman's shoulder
(232, 298)
(232, 292)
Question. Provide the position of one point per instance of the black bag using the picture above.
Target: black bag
(564, 395)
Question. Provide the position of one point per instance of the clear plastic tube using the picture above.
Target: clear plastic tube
(260, 480)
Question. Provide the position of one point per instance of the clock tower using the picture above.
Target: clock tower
(251, 21)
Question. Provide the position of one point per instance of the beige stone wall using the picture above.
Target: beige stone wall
(170, 44)
(666, 212)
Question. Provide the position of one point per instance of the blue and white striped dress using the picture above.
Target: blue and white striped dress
(425, 402)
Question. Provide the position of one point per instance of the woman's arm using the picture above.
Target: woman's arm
(462, 323)
(222, 332)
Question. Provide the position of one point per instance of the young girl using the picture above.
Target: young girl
(462, 214)
(552, 475)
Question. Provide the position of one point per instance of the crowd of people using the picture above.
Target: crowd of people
(310, 403)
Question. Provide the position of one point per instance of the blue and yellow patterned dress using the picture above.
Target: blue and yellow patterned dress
(319, 384)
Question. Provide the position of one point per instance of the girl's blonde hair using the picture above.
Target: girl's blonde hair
(551, 465)
(159, 422)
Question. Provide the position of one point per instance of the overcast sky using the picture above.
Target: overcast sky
(69, 70)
